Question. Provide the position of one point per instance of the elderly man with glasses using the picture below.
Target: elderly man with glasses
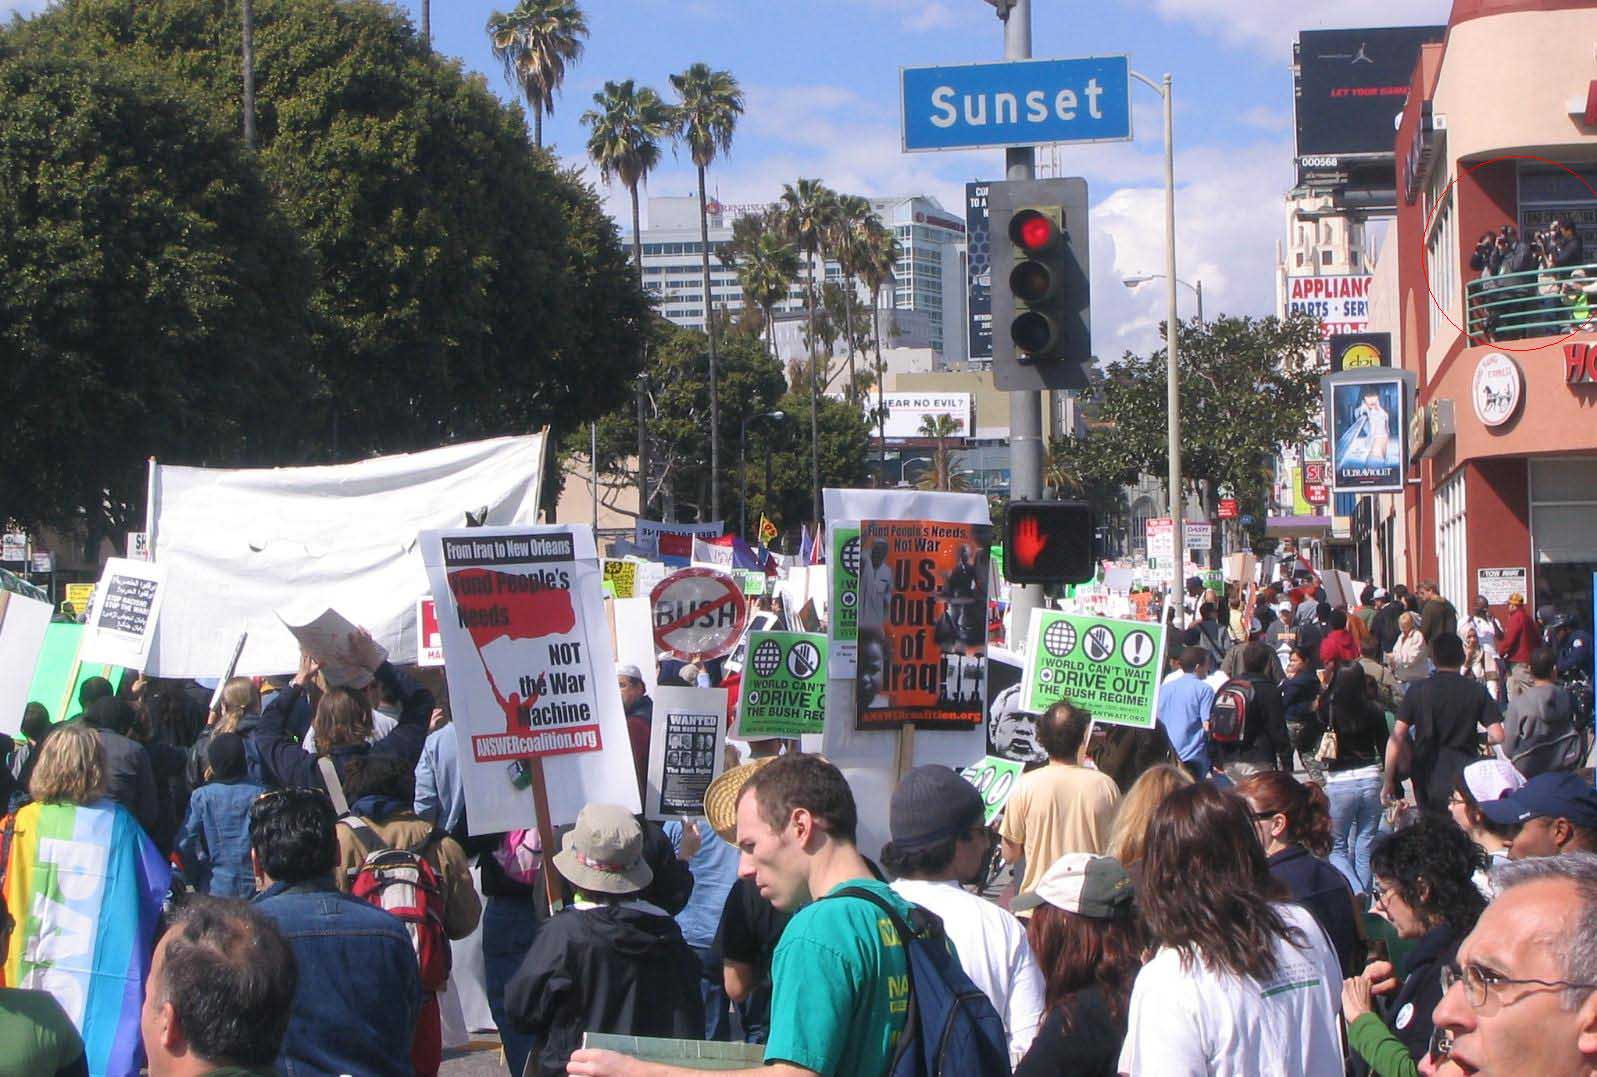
(1521, 996)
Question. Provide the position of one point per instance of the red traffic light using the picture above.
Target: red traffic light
(1033, 231)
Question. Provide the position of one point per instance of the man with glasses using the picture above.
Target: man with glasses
(1521, 996)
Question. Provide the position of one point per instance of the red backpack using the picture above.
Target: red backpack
(1228, 713)
(404, 885)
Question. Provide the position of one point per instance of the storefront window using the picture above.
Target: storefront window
(1563, 526)
(1452, 574)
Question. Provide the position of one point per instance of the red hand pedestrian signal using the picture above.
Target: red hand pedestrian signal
(1029, 541)
(1048, 542)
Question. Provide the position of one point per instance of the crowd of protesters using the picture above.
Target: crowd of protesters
(1309, 850)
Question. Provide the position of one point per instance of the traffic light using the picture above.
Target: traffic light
(1041, 301)
(1048, 542)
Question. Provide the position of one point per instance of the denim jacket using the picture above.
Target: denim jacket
(359, 989)
(214, 843)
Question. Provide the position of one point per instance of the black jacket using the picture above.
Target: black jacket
(289, 766)
(614, 969)
(1383, 626)
(130, 780)
(1321, 889)
(1264, 733)
(1409, 1013)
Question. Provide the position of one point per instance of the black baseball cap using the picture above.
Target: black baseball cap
(1546, 796)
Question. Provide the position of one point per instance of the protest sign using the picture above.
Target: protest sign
(1011, 728)
(326, 635)
(698, 613)
(621, 578)
(532, 681)
(672, 542)
(685, 739)
(759, 621)
(753, 583)
(58, 675)
(711, 555)
(429, 640)
(922, 624)
(843, 629)
(138, 546)
(1109, 668)
(239, 544)
(994, 779)
(23, 624)
(634, 637)
(783, 693)
(124, 613)
(79, 596)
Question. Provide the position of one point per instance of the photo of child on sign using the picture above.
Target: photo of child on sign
(923, 624)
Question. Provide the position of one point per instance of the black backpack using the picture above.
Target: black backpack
(952, 1028)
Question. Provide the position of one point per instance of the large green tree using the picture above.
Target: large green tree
(1248, 386)
(461, 284)
(152, 296)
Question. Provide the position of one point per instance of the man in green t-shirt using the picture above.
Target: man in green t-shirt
(37, 1038)
(840, 977)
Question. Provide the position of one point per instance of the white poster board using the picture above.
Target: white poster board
(325, 635)
(23, 622)
(634, 623)
(123, 616)
(527, 651)
(686, 736)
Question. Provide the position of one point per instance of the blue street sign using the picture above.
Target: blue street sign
(1016, 103)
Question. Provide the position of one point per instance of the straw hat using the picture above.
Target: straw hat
(721, 799)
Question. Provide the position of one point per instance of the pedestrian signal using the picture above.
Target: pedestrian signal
(1048, 542)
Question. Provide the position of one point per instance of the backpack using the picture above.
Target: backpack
(1228, 713)
(951, 1027)
(404, 885)
(1552, 742)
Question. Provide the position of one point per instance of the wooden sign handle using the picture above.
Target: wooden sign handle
(553, 883)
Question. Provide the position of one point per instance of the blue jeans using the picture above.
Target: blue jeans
(1355, 819)
(508, 928)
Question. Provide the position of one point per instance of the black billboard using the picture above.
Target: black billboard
(1349, 87)
(978, 274)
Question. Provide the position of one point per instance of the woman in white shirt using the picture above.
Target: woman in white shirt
(1242, 984)
(1410, 658)
(1488, 630)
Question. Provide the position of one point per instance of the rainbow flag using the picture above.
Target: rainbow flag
(85, 886)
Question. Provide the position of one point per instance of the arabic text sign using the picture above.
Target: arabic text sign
(783, 693)
(1110, 668)
(122, 619)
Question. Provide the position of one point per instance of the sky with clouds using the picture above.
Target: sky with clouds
(821, 80)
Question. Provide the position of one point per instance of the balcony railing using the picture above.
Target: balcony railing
(1537, 302)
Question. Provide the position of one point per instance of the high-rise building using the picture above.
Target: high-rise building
(929, 286)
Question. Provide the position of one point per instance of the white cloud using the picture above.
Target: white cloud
(1270, 26)
(926, 16)
(20, 7)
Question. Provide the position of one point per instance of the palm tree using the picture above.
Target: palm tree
(845, 235)
(710, 106)
(806, 212)
(766, 271)
(624, 134)
(535, 42)
(878, 268)
(941, 427)
(247, 17)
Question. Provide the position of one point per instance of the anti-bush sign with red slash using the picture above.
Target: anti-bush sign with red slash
(698, 613)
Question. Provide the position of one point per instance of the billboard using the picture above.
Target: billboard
(906, 412)
(1348, 87)
(1367, 416)
(978, 273)
(1340, 301)
(1358, 351)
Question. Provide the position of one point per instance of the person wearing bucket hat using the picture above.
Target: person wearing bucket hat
(1088, 941)
(611, 961)
(1555, 813)
(940, 841)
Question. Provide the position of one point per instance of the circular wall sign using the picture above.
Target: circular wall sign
(1496, 389)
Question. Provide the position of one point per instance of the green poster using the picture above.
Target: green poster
(994, 778)
(844, 629)
(1109, 667)
(56, 659)
(753, 583)
(784, 685)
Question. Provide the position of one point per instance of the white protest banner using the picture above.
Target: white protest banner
(634, 621)
(239, 544)
(698, 613)
(429, 640)
(709, 555)
(23, 622)
(650, 573)
(325, 635)
(685, 739)
(1117, 579)
(672, 542)
(124, 613)
(532, 682)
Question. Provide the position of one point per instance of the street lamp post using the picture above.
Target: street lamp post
(743, 474)
(1133, 282)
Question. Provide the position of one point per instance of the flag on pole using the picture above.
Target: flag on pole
(806, 544)
(767, 531)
